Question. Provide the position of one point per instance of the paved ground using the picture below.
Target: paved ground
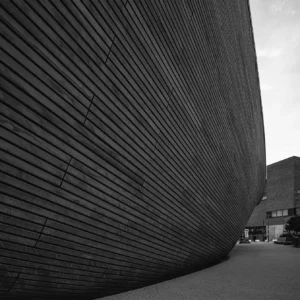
(257, 271)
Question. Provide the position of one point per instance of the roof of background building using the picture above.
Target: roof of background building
(280, 161)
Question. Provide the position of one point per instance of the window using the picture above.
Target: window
(278, 213)
(298, 211)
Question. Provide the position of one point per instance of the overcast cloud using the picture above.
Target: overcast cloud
(276, 26)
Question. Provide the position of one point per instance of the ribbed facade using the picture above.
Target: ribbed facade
(132, 142)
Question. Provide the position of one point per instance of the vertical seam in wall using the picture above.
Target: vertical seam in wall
(65, 172)
(14, 282)
(126, 228)
(106, 270)
(170, 93)
(40, 233)
(113, 40)
(156, 142)
(89, 108)
(142, 185)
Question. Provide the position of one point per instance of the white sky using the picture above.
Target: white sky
(276, 26)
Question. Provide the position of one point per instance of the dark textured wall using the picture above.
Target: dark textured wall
(132, 142)
(258, 216)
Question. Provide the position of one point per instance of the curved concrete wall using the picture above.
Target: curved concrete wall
(132, 142)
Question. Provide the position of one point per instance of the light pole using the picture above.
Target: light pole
(268, 232)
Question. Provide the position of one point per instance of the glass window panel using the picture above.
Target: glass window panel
(285, 212)
(273, 214)
(279, 213)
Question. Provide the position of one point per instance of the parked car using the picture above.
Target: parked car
(285, 239)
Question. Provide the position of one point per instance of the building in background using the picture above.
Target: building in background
(280, 202)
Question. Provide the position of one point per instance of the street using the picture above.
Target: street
(253, 271)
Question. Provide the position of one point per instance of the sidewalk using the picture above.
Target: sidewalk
(257, 271)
